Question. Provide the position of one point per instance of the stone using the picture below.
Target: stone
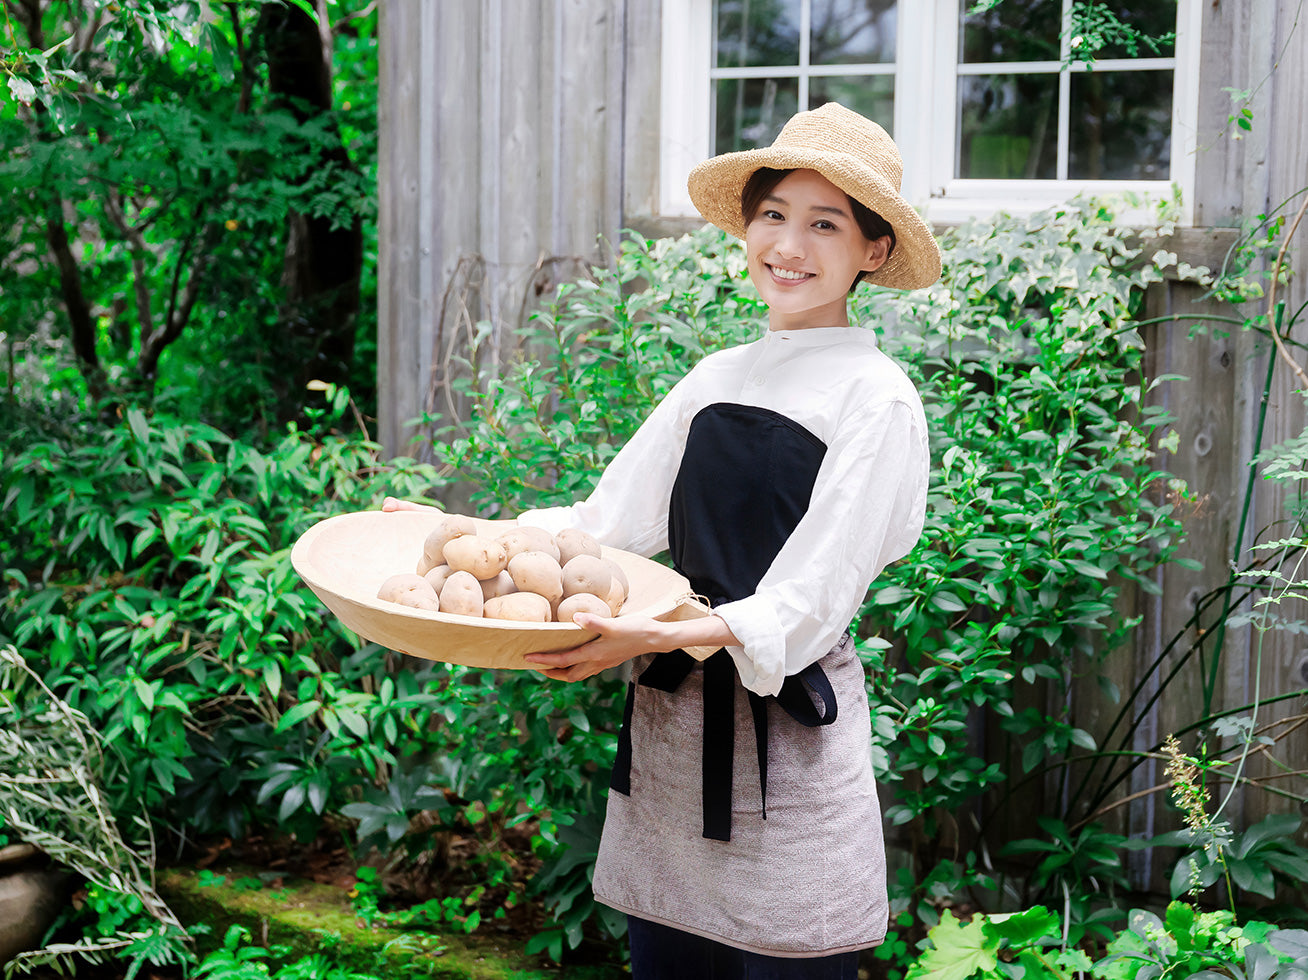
(29, 901)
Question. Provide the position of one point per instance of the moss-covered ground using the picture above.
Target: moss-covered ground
(310, 918)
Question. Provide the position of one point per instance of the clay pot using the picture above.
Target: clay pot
(31, 895)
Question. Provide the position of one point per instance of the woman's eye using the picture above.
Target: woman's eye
(772, 215)
(824, 225)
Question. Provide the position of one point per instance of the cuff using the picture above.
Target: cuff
(761, 658)
(552, 519)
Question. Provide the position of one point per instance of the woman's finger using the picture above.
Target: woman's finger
(392, 504)
(564, 659)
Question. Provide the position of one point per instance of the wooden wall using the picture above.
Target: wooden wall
(501, 162)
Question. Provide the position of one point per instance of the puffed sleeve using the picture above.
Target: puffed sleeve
(628, 509)
(867, 508)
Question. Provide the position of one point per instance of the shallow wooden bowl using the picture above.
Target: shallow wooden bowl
(344, 559)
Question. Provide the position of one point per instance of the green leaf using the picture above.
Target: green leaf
(1082, 738)
(959, 951)
(22, 90)
(297, 714)
(145, 692)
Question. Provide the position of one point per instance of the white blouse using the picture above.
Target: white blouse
(867, 507)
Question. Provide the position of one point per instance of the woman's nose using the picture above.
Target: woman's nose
(790, 242)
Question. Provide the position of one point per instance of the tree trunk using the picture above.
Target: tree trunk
(323, 265)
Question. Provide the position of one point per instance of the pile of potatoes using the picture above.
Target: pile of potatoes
(525, 574)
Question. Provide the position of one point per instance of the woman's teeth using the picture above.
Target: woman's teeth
(787, 274)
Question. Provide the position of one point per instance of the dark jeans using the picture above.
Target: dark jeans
(660, 952)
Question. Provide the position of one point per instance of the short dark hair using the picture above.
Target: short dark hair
(764, 179)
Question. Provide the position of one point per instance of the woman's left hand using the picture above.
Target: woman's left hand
(619, 640)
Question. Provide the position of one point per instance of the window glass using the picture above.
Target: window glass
(872, 96)
(1013, 30)
(845, 32)
(1153, 18)
(756, 33)
(1121, 125)
(1055, 121)
(1008, 127)
(764, 71)
(751, 111)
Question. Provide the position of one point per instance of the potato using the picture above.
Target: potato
(417, 599)
(587, 573)
(436, 576)
(397, 585)
(619, 576)
(482, 557)
(522, 538)
(535, 571)
(425, 565)
(450, 527)
(461, 594)
(582, 602)
(616, 598)
(521, 607)
(573, 542)
(501, 584)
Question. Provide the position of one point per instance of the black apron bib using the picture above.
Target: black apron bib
(744, 484)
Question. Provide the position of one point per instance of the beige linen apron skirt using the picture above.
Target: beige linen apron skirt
(809, 880)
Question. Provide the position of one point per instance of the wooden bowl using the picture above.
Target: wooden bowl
(344, 559)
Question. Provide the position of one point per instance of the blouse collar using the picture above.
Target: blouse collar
(821, 336)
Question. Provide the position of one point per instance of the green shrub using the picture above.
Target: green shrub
(1032, 945)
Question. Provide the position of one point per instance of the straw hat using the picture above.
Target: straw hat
(852, 152)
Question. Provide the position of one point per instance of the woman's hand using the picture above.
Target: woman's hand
(619, 640)
(625, 637)
(391, 504)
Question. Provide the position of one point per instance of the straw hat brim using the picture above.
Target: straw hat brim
(344, 559)
(716, 186)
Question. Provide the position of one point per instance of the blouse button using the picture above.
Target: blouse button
(756, 381)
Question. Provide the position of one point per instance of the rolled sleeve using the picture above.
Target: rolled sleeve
(761, 658)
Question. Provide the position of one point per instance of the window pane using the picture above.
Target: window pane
(1008, 126)
(1014, 30)
(751, 111)
(756, 32)
(1152, 18)
(1121, 125)
(870, 95)
(852, 31)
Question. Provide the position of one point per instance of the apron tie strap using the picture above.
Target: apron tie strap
(666, 672)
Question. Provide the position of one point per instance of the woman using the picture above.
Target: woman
(743, 834)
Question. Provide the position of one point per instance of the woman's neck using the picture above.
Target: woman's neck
(807, 320)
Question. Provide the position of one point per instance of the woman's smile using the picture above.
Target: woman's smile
(788, 274)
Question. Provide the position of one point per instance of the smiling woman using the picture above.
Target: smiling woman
(781, 476)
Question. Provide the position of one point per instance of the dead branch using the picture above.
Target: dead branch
(136, 240)
(354, 16)
(1271, 295)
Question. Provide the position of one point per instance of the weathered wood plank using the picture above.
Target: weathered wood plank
(399, 191)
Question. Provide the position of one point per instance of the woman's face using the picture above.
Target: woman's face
(804, 249)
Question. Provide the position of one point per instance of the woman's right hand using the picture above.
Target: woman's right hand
(393, 504)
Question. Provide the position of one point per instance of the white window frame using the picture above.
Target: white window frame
(925, 88)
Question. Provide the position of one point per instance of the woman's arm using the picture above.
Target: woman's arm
(625, 637)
